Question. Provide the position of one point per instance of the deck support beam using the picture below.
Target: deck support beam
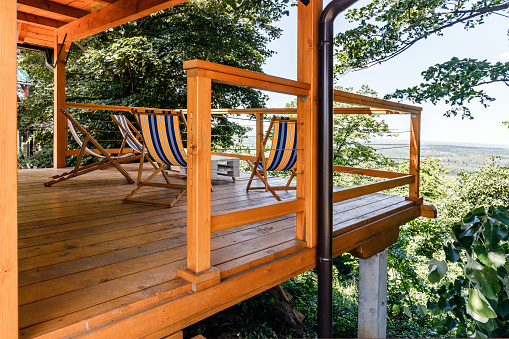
(59, 122)
(372, 313)
(8, 173)
(307, 71)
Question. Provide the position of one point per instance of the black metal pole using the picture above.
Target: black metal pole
(325, 114)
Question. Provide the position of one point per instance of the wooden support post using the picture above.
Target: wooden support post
(8, 173)
(259, 134)
(307, 107)
(415, 153)
(198, 270)
(372, 313)
(59, 120)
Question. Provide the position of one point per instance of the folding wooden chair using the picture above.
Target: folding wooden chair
(162, 140)
(107, 159)
(131, 137)
(282, 156)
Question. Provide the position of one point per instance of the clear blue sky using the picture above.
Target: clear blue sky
(488, 41)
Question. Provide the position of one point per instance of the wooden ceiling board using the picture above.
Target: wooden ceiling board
(87, 5)
(53, 7)
(39, 20)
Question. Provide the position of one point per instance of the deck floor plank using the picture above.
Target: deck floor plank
(86, 258)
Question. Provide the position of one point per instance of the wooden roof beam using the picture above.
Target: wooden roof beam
(54, 7)
(22, 30)
(39, 20)
(113, 15)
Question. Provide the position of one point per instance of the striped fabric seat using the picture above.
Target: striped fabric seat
(282, 156)
(162, 140)
(106, 161)
(161, 134)
(127, 132)
(75, 135)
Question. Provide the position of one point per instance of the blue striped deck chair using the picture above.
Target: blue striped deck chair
(163, 142)
(282, 156)
(107, 160)
(131, 137)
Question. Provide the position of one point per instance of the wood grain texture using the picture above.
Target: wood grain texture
(198, 171)
(115, 14)
(240, 77)
(59, 120)
(8, 174)
(415, 153)
(307, 108)
(358, 99)
(89, 263)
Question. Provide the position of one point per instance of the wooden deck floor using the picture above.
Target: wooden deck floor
(86, 259)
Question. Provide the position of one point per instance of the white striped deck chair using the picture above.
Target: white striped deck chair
(282, 156)
(162, 140)
(107, 160)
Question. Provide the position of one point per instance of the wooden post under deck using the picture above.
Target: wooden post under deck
(415, 153)
(198, 270)
(307, 107)
(59, 120)
(8, 173)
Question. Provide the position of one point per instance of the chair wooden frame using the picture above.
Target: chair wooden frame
(147, 145)
(131, 136)
(107, 159)
(261, 173)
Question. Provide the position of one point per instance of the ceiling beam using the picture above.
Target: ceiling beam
(39, 20)
(54, 7)
(22, 30)
(113, 15)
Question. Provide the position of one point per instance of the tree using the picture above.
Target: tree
(140, 63)
(386, 28)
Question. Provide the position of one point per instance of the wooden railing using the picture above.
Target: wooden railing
(200, 222)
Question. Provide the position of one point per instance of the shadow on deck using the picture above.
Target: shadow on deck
(90, 265)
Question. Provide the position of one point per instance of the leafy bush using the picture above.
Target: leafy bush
(476, 303)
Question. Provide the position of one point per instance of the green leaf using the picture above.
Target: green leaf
(423, 310)
(503, 308)
(451, 254)
(396, 309)
(494, 232)
(470, 268)
(479, 306)
(406, 310)
(488, 280)
(437, 270)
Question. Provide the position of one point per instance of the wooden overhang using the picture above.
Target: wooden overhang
(44, 22)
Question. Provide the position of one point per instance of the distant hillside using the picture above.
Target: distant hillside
(455, 157)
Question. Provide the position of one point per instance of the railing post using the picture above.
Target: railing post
(59, 120)
(198, 270)
(307, 107)
(259, 133)
(415, 153)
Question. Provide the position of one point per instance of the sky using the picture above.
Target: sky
(489, 41)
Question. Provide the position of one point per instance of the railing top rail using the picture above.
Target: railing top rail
(240, 77)
(341, 110)
(358, 99)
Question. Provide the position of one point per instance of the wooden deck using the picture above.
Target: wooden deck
(90, 265)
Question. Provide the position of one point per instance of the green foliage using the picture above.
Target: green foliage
(140, 64)
(386, 28)
(480, 247)
(456, 82)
